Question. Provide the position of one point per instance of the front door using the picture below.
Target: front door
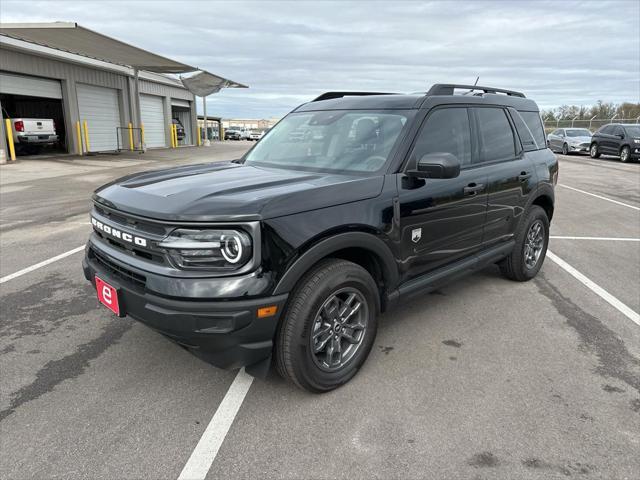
(441, 220)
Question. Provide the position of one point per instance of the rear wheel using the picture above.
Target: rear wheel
(528, 254)
(625, 154)
(594, 151)
(329, 326)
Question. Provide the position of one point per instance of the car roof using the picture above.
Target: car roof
(438, 94)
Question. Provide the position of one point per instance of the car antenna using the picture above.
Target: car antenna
(474, 84)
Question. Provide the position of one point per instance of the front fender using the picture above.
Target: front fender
(326, 247)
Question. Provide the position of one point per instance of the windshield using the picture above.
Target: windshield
(633, 131)
(578, 132)
(335, 140)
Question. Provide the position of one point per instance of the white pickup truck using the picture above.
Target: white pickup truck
(34, 132)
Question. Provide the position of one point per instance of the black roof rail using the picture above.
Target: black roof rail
(448, 89)
(332, 95)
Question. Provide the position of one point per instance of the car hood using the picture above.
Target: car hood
(232, 192)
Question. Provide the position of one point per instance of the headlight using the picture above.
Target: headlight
(208, 249)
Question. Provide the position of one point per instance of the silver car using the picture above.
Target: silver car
(569, 140)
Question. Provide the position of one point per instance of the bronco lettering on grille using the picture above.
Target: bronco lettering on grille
(119, 234)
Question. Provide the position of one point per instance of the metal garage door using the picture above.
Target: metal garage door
(152, 112)
(99, 107)
(30, 86)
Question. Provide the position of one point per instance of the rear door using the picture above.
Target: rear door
(510, 172)
(606, 141)
(441, 220)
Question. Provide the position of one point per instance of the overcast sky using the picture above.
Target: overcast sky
(556, 52)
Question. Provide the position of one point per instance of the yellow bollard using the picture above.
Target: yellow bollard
(171, 130)
(142, 136)
(12, 148)
(199, 135)
(130, 137)
(79, 138)
(86, 137)
(175, 136)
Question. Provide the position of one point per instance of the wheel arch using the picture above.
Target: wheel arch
(364, 249)
(545, 201)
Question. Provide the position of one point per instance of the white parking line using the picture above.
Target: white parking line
(600, 197)
(606, 239)
(41, 264)
(207, 448)
(597, 289)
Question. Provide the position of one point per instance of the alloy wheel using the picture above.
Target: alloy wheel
(624, 154)
(339, 328)
(534, 243)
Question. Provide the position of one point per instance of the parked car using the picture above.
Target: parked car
(618, 139)
(570, 140)
(292, 251)
(31, 134)
(232, 134)
(179, 128)
(254, 135)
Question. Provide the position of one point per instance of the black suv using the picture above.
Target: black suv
(292, 251)
(619, 139)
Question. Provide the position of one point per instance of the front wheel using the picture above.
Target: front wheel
(625, 154)
(526, 258)
(594, 151)
(329, 326)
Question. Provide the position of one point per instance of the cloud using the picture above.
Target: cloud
(288, 52)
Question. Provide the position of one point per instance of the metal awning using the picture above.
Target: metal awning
(71, 37)
(204, 83)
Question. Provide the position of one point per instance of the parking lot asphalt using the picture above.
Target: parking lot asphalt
(485, 378)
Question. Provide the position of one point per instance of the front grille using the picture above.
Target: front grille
(117, 270)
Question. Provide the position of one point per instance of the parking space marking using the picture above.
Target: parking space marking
(19, 273)
(595, 288)
(600, 197)
(606, 239)
(207, 448)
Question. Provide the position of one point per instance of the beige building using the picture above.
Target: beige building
(251, 124)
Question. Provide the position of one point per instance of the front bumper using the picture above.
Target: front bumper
(579, 148)
(224, 332)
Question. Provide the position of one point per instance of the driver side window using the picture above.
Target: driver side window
(446, 130)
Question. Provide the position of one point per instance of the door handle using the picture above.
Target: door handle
(524, 176)
(473, 189)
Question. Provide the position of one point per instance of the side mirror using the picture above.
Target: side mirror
(437, 165)
(620, 136)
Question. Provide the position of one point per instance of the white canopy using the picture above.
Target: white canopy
(204, 83)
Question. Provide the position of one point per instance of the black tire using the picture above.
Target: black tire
(594, 151)
(295, 359)
(565, 149)
(515, 267)
(625, 154)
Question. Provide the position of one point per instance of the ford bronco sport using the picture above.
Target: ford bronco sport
(352, 203)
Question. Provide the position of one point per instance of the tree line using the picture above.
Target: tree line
(600, 110)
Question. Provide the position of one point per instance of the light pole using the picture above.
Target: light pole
(591, 120)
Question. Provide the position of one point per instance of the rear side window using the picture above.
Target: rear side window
(607, 130)
(495, 134)
(526, 138)
(534, 122)
(446, 130)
